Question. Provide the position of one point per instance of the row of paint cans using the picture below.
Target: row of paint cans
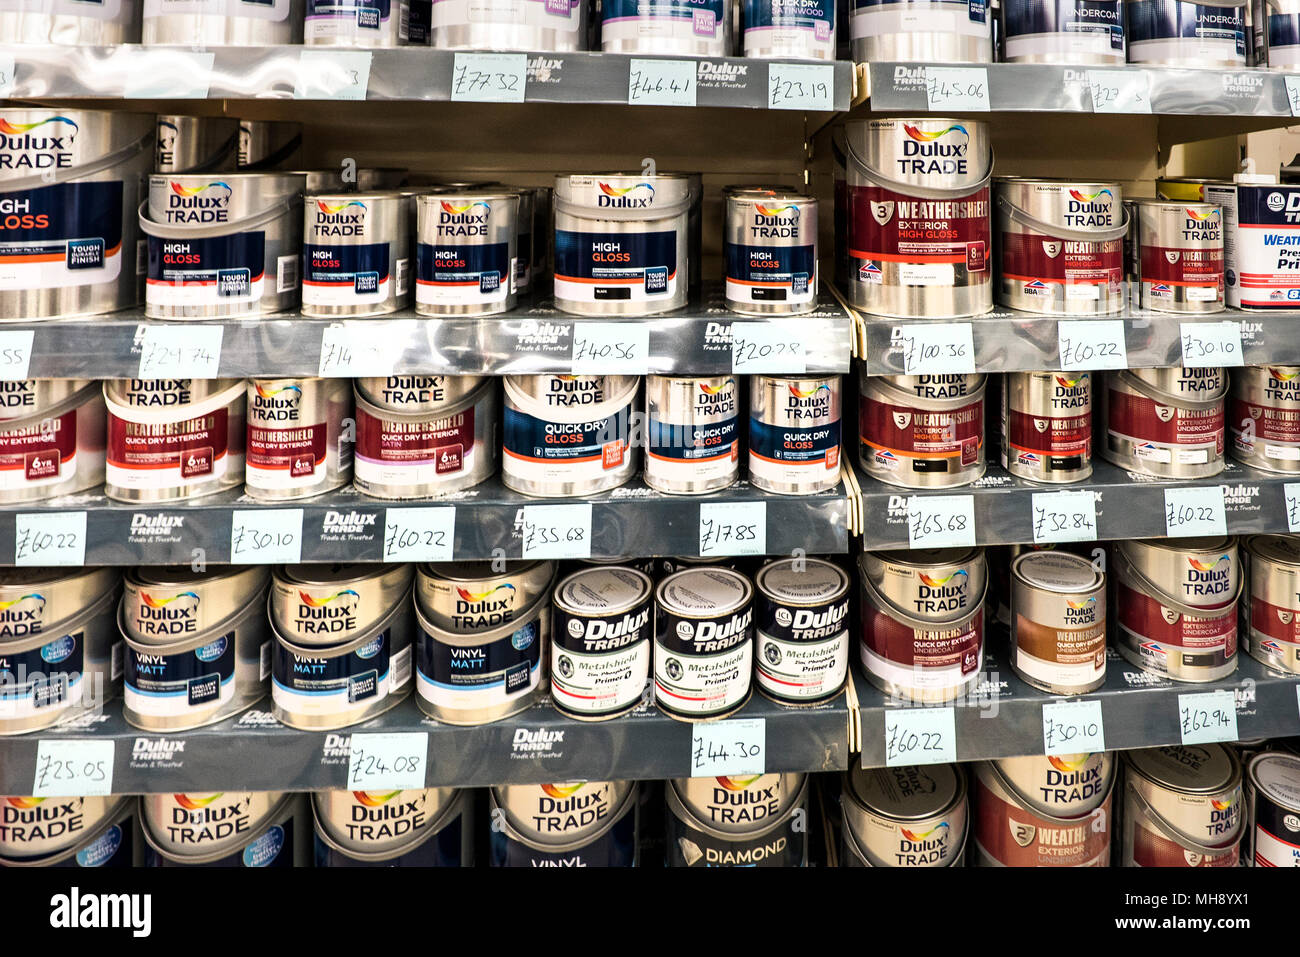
(426, 827)
(1270, 615)
(924, 431)
(60, 653)
(758, 820)
(1272, 813)
(923, 621)
(356, 253)
(770, 251)
(226, 829)
(1183, 807)
(198, 649)
(905, 816)
(52, 435)
(565, 824)
(1047, 426)
(1058, 622)
(1176, 256)
(1168, 423)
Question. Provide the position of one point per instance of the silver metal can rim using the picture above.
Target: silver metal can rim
(1233, 781)
(764, 592)
(282, 574)
(684, 814)
(1019, 578)
(627, 804)
(419, 838)
(746, 598)
(645, 596)
(273, 817)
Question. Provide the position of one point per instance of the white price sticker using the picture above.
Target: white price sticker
(1091, 344)
(557, 531)
(661, 83)
(489, 77)
(1065, 516)
(390, 761)
(942, 348)
(76, 768)
(1195, 511)
(1207, 717)
(733, 528)
(765, 348)
(50, 538)
(1293, 93)
(920, 736)
(735, 746)
(266, 536)
(332, 75)
(1211, 344)
(800, 86)
(162, 73)
(1291, 492)
(16, 353)
(1073, 727)
(1120, 91)
(419, 534)
(611, 348)
(179, 351)
(355, 351)
(956, 88)
(940, 521)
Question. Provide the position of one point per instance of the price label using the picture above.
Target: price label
(1211, 344)
(775, 346)
(956, 88)
(179, 351)
(16, 353)
(1120, 91)
(610, 348)
(920, 736)
(1091, 344)
(942, 348)
(7, 73)
(169, 74)
(391, 761)
(940, 521)
(1194, 511)
(1073, 727)
(661, 83)
(1293, 93)
(736, 746)
(351, 351)
(733, 528)
(419, 534)
(489, 77)
(50, 538)
(557, 531)
(332, 75)
(1291, 491)
(1207, 717)
(77, 768)
(266, 536)
(800, 86)
(1065, 516)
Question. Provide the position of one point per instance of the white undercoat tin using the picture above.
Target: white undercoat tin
(693, 433)
(922, 431)
(908, 816)
(1183, 807)
(465, 256)
(356, 253)
(1070, 32)
(1047, 425)
(1264, 417)
(946, 31)
(195, 144)
(1273, 810)
(97, 23)
(298, 441)
(1270, 620)
(794, 433)
(1168, 423)
(52, 435)
(217, 23)
(478, 596)
(802, 624)
(1058, 622)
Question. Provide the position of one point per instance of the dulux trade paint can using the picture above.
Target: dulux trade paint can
(693, 433)
(1183, 807)
(922, 431)
(1058, 622)
(356, 254)
(565, 824)
(103, 831)
(1180, 256)
(1264, 417)
(770, 252)
(83, 23)
(357, 23)
(466, 252)
(429, 827)
(1047, 425)
(226, 829)
(195, 144)
(298, 444)
(1273, 810)
(477, 596)
(676, 27)
(222, 23)
(1166, 422)
(802, 625)
(1207, 35)
(794, 433)
(1070, 32)
(908, 816)
(789, 29)
(52, 435)
(757, 820)
(550, 26)
(1271, 617)
(935, 31)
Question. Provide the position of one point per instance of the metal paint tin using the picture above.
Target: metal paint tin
(932, 175)
(557, 26)
(738, 803)
(472, 678)
(52, 435)
(1276, 28)
(674, 27)
(568, 435)
(1259, 247)
(784, 29)
(69, 189)
(1264, 417)
(298, 444)
(600, 641)
(1182, 807)
(109, 841)
(622, 242)
(173, 439)
(222, 245)
(1066, 785)
(1058, 622)
(933, 584)
(693, 433)
(704, 643)
(96, 23)
(474, 596)
(1067, 32)
(466, 252)
(912, 816)
(566, 824)
(1180, 256)
(163, 602)
(794, 433)
(225, 829)
(1047, 425)
(1273, 796)
(1202, 572)
(195, 144)
(357, 23)
(1207, 35)
(313, 603)
(760, 828)
(430, 827)
(268, 144)
(770, 248)
(802, 610)
(39, 830)
(1271, 632)
(424, 436)
(922, 431)
(356, 254)
(222, 23)
(1166, 422)
(948, 31)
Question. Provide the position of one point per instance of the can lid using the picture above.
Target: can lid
(493, 194)
(330, 573)
(808, 581)
(185, 575)
(907, 793)
(759, 193)
(1193, 769)
(704, 591)
(1214, 543)
(344, 196)
(1057, 571)
(1282, 549)
(925, 557)
(1277, 777)
(25, 577)
(606, 591)
(475, 571)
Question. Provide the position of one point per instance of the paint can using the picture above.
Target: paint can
(268, 144)
(786, 29)
(704, 643)
(70, 22)
(311, 603)
(429, 827)
(932, 175)
(693, 433)
(565, 824)
(66, 831)
(933, 584)
(51, 438)
(424, 436)
(1182, 807)
(794, 433)
(222, 23)
(802, 610)
(770, 248)
(67, 176)
(357, 23)
(907, 816)
(1047, 425)
(1058, 622)
(466, 252)
(671, 27)
(1166, 422)
(923, 431)
(357, 254)
(1273, 803)
(557, 26)
(1068, 32)
(225, 829)
(755, 820)
(952, 31)
(1180, 256)
(1207, 35)
(163, 602)
(474, 596)
(297, 443)
(1264, 417)
(1259, 247)
(195, 144)
(1271, 632)
(1276, 28)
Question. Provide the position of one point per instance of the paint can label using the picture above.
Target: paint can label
(676, 19)
(463, 275)
(703, 666)
(305, 685)
(282, 452)
(1088, 271)
(929, 239)
(40, 454)
(771, 273)
(273, 10)
(346, 18)
(1267, 246)
(702, 450)
(350, 275)
(404, 452)
(1275, 631)
(1194, 644)
(163, 456)
(1161, 30)
(615, 267)
(213, 271)
(1152, 849)
(941, 658)
(42, 681)
(905, 440)
(572, 451)
(61, 236)
(561, 15)
(1166, 433)
(1063, 27)
(811, 20)
(169, 685)
(443, 849)
(470, 678)
(600, 665)
(1014, 837)
(877, 17)
(1200, 271)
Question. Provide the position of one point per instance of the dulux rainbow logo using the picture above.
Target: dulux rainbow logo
(1208, 578)
(346, 597)
(333, 220)
(808, 403)
(625, 197)
(1201, 226)
(1081, 612)
(206, 203)
(1089, 210)
(775, 221)
(43, 145)
(463, 219)
(1282, 386)
(938, 152)
(716, 400)
(935, 594)
(271, 404)
(174, 615)
(1072, 393)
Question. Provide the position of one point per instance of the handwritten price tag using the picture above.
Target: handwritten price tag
(180, 352)
(661, 83)
(393, 761)
(1091, 344)
(1293, 93)
(1208, 716)
(940, 521)
(50, 538)
(16, 353)
(1073, 727)
(944, 348)
(800, 86)
(557, 531)
(78, 768)
(736, 746)
(489, 77)
(332, 75)
(733, 528)
(775, 346)
(1065, 516)
(920, 736)
(956, 88)
(266, 536)
(169, 74)
(610, 348)
(419, 534)
(1120, 91)
(1211, 344)
(1194, 511)
(350, 352)
(1291, 491)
